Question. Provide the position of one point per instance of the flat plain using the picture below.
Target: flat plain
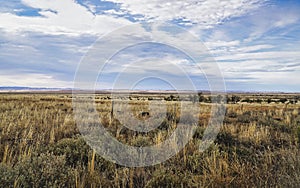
(257, 146)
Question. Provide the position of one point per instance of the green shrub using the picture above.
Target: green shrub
(166, 179)
(45, 170)
(7, 176)
(75, 150)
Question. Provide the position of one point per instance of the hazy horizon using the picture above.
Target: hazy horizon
(26, 88)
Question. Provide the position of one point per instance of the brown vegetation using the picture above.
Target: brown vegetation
(258, 145)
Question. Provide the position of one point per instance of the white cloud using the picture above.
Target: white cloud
(114, 12)
(32, 80)
(271, 55)
(254, 48)
(169, 64)
(212, 45)
(205, 13)
(61, 17)
(279, 78)
(258, 66)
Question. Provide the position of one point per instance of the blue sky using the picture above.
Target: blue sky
(256, 43)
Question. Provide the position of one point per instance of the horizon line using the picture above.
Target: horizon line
(11, 89)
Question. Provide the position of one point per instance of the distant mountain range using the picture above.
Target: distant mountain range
(20, 88)
(67, 90)
(5, 89)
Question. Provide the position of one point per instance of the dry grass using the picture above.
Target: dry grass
(40, 145)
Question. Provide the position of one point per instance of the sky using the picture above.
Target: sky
(255, 43)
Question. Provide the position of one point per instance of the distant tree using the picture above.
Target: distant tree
(218, 98)
(172, 98)
(258, 100)
(247, 100)
(208, 99)
(201, 98)
(235, 99)
(197, 98)
(283, 100)
(193, 98)
(269, 100)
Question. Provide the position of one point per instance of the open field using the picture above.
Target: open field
(258, 145)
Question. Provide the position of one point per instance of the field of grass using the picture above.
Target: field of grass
(258, 145)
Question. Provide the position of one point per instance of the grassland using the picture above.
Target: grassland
(258, 145)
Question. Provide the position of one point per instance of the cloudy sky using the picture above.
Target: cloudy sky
(255, 43)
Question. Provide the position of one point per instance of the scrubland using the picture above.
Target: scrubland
(257, 146)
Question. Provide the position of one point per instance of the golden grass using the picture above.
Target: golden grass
(258, 145)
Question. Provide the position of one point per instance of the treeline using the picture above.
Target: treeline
(233, 99)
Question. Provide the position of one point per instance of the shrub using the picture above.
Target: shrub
(45, 170)
(244, 118)
(231, 114)
(172, 98)
(7, 176)
(168, 179)
(75, 150)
